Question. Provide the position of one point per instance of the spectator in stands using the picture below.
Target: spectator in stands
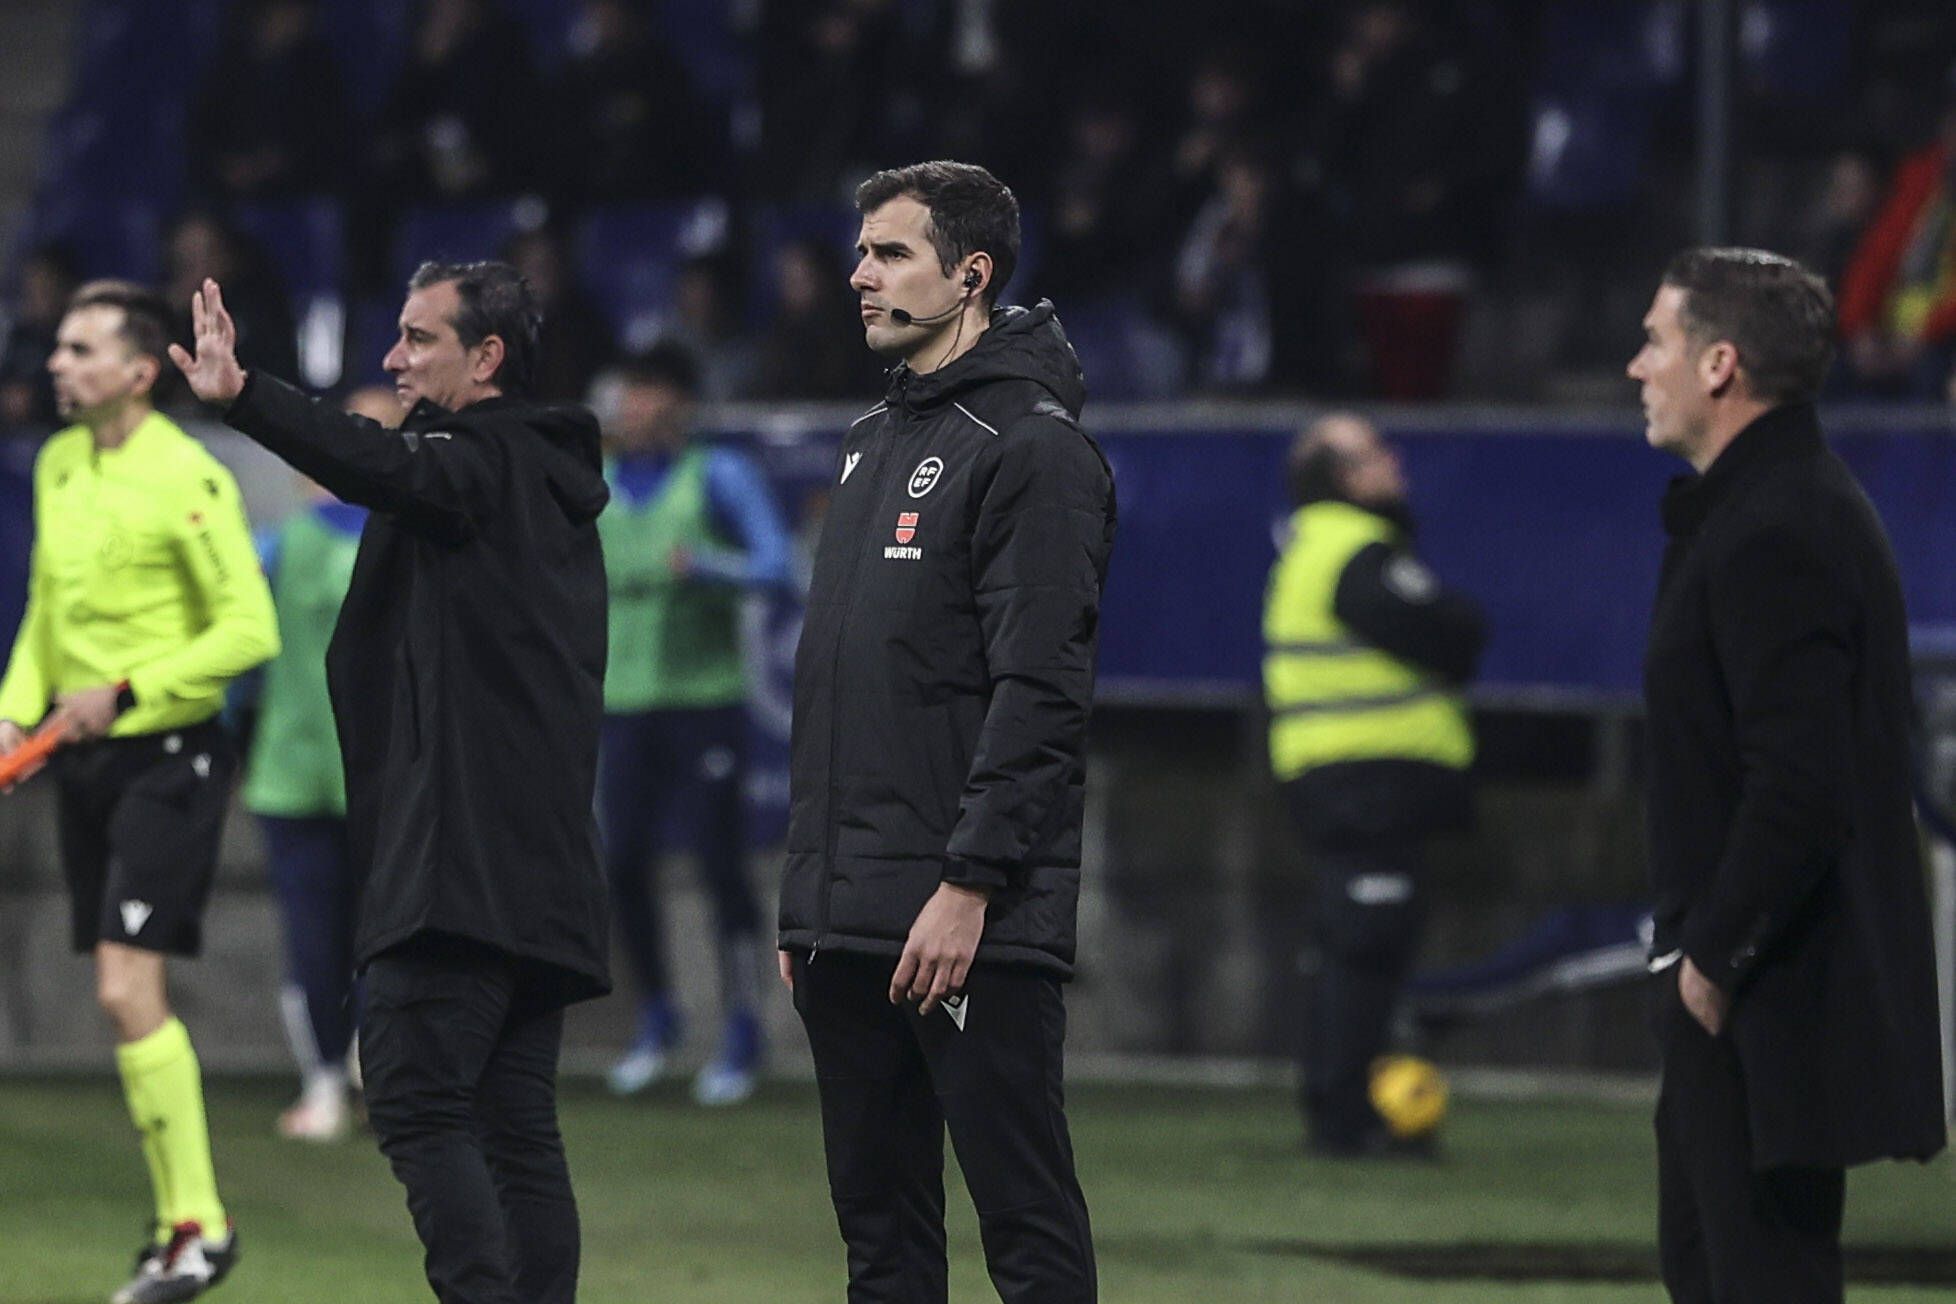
(270, 120)
(1106, 204)
(1366, 657)
(1408, 157)
(629, 104)
(1223, 276)
(198, 246)
(47, 279)
(704, 319)
(1224, 102)
(462, 119)
(690, 531)
(825, 103)
(1849, 196)
(810, 348)
(577, 341)
(1898, 294)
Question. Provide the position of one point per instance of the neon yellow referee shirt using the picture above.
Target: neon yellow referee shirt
(143, 570)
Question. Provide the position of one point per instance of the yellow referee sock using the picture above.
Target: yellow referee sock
(165, 1090)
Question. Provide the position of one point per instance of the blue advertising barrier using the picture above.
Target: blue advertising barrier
(1551, 523)
(1553, 526)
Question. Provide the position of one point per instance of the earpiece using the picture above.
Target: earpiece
(972, 279)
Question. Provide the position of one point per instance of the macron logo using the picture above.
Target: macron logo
(134, 915)
(849, 464)
(956, 1007)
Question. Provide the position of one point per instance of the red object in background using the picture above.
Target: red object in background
(1410, 325)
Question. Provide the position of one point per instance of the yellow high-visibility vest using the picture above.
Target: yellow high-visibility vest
(1332, 696)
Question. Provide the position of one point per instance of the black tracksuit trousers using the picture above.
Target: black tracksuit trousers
(892, 1082)
(459, 1050)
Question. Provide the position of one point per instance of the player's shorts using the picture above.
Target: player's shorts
(141, 820)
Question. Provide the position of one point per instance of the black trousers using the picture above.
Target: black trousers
(1728, 1233)
(459, 1048)
(1366, 924)
(893, 1081)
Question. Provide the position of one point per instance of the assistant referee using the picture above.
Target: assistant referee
(145, 598)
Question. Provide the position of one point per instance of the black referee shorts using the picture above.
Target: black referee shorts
(141, 818)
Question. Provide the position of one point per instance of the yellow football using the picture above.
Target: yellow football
(1410, 1094)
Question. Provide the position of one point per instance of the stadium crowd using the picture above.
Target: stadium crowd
(1354, 199)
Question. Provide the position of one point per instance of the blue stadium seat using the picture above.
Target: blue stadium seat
(110, 235)
(628, 255)
(547, 24)
(370, 38)
(458, 232)
(833, 226)
(305, 240)
(701, 33)
(1124, 354)
(371, 328)
(1586, 152)
(1796, 49)
(1614, 44)
(137, 51)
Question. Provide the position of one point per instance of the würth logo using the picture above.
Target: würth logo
(906, 529)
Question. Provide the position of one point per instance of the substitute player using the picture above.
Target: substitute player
(690, 532)
(145, 598)
(295, 783)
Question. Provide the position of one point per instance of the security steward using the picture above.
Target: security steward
(1365, 656)
(467, 677)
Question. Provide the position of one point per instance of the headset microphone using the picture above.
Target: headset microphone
(971, 280)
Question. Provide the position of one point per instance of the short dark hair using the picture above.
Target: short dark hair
(1776, 313)
(145, 317)
(666, 363)
(971, 211)
(495, 300)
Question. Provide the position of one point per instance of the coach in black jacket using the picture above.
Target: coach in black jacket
(466, 674)
(1797, 1006)
(942, 689)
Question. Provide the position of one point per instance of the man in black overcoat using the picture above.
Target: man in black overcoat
(467, 673)
(1796, 987)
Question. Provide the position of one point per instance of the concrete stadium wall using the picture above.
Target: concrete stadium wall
(1192, 923)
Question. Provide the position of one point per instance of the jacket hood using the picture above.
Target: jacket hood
(573, 455)
(1020, 344)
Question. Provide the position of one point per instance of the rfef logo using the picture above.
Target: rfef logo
(924, 478)
(906, 529)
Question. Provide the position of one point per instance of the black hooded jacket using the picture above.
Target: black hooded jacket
(945, 673)
(467, 669)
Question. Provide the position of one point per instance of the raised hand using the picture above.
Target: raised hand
(213, 371)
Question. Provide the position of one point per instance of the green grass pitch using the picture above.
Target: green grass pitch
(1197, 1195)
